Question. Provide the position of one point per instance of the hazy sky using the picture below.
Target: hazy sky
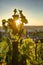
(32, 9)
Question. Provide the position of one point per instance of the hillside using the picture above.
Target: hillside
(34, 28)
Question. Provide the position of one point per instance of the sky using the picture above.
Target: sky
(32, 9)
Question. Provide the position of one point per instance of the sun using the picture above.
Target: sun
(18, 22)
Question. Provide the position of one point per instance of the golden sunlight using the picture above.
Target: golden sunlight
(18, 22)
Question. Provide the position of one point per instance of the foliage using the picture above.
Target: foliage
(5, 48)
(27, 49)
(11, 22)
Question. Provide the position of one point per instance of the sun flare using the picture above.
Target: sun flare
(17, 22)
